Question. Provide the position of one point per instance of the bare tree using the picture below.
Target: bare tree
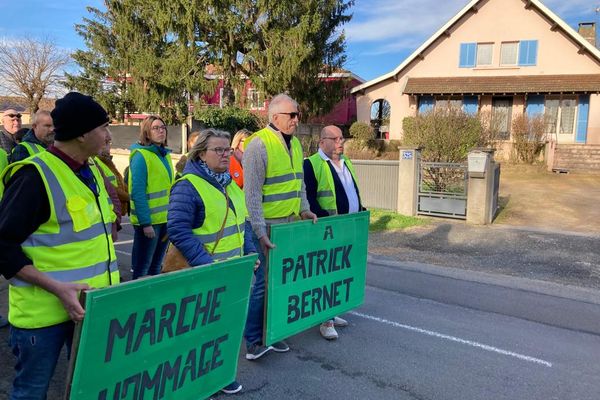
(31, 68)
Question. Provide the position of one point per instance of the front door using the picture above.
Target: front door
(501, 116)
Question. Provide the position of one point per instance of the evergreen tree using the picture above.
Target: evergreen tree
(298, 42)
(155, 53)
(102, 74)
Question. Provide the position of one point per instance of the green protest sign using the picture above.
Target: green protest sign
(173, 336)
(315, 272)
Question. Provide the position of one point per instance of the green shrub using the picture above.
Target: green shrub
(446, 136)
(230, 119)
(310, 143)
(362, 131)
(363, 138)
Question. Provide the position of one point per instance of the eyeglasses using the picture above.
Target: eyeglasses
(18, 116)
(336, 139)
(222, 150)
(159, 128)
(292, 115)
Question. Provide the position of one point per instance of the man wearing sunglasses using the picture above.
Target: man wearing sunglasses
(11, 123)
(331, 189)
(275, 194)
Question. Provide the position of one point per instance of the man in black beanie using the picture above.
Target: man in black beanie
(53, 223)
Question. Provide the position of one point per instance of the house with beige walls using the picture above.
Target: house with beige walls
(505, 57)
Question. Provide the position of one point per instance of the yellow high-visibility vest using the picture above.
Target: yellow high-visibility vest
(112, 178)
(231, 243)
(32, 148)
(74, 245)
(325, 186)
(283, 177)
(3, 160)
(159, 181)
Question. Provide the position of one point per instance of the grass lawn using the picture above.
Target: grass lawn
(383, 220)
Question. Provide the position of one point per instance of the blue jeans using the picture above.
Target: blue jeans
(254, 322)
(37, 352)
(147, 254)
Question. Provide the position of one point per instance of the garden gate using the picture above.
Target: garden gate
(442, 189)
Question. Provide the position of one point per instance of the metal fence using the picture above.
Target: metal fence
(442, 190)
(378, 183)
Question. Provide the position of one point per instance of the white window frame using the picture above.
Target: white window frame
(491, 60)
(516, 60)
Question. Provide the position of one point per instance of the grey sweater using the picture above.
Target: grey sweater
(254, 163)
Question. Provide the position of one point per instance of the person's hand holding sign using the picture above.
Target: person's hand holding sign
(307, 214)
(256, 264)
(265, 244)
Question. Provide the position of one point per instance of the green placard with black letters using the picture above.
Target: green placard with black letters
(315, 272)
(172, 336)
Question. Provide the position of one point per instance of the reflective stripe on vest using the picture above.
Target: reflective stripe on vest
(73, 275)
(32, 148)
(158, 185)
(231, 243)
(325, 184)
(74, 245)
(283, 177)
(112, 178)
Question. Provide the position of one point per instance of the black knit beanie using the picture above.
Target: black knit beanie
(76, 114)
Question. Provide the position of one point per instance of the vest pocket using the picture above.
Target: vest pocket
(81, 212)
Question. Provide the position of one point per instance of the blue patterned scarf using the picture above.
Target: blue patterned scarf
(222, 178)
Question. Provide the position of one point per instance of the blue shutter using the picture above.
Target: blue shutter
(425, 104)
(467, 55)
(535, 105)
(528, 52)
(583, 110)
(470, 104)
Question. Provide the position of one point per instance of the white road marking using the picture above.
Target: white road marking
(122, 252)
(124, 242)
(455, 339)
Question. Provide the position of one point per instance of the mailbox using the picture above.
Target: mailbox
(477, 163)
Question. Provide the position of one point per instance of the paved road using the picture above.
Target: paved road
(402, 346)
(427, 332)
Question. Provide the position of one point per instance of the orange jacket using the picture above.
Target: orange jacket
(236, 171)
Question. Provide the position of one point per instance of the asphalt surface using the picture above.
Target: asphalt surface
(439, 299)
(563, 257)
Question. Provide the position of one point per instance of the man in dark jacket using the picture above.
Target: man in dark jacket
(56, 188)
(331, 189)
(39, 137)
(11, 123)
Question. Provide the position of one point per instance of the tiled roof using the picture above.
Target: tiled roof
(505, 84)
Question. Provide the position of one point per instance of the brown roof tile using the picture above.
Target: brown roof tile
(505, 84)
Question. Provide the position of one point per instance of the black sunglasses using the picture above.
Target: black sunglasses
(292, 115)
(14, 115)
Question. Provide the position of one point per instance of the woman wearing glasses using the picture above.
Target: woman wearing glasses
(150, 178)
(207, 211)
